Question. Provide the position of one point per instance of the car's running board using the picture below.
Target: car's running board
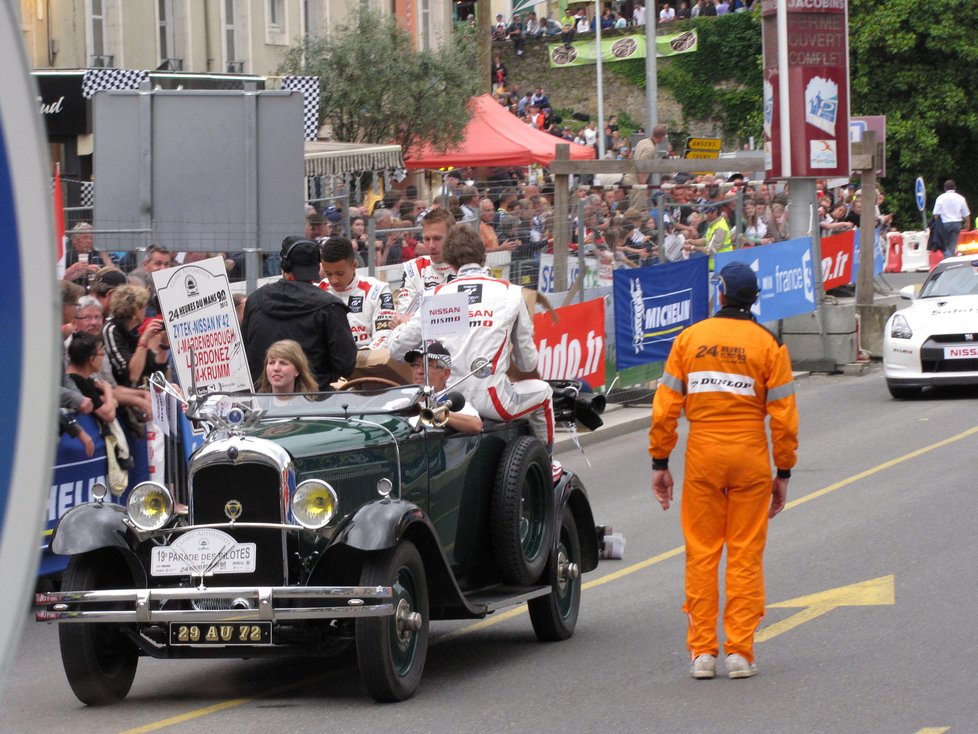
(494, 598)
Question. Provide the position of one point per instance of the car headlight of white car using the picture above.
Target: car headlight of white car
(900, 328)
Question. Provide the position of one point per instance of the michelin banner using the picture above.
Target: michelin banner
(784, 274)
(619, 48)
(652, 305)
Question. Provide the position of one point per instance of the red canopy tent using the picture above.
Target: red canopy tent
(496, 137)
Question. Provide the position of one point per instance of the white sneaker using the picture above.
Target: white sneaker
(704, 666)
(738, 667)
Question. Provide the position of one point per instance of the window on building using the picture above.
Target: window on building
(167, 46)
(230, 36)
(98, 28)
(276, 13)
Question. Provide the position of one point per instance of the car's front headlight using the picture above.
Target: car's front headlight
(314, 504)
(900, 328)
(150, 506)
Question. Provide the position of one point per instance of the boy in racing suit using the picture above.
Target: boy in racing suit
(500, 328)
(369, 300)
(729, 373)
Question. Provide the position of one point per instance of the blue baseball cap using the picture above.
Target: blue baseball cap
(739, 284)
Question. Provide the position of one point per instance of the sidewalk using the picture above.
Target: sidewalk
(618, 421)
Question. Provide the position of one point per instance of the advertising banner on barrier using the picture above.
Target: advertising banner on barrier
(199, 317)
(572, 347)
(837, 259)
(592, 273)
(784, 273)
(620, 48)
(652, 305)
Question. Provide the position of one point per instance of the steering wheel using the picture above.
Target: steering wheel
(361, 381)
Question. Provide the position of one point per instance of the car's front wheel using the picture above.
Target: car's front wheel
(391, 651)
(99, 660)
(902, 392)
(554, 616)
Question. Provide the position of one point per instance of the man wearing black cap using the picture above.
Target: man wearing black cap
(729, 373)
(464, 420)
(295, 308)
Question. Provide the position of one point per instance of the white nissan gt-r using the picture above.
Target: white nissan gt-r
(935, 340)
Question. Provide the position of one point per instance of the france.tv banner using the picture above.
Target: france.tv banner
(784, 273)
(652, 305)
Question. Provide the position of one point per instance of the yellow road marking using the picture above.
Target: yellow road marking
(621, 573)
(933, 730)
(875, 592)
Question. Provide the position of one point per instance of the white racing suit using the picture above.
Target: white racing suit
(371, 308)
(501, 329)
(420, 275)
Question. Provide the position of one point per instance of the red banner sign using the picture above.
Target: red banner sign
(573, 346)
(806, 88)
(837, 254)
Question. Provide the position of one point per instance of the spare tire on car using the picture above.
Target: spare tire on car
(521, 512)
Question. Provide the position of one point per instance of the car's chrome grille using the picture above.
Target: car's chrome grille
(256, 487)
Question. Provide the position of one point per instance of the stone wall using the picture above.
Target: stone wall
(576, 87)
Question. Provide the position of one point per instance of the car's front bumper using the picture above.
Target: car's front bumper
(241, 604)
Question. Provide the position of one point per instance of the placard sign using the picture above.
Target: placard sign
(199, 315)
(806, 88)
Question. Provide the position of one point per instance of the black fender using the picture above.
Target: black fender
(91, 527)
(383, 524)
(570, 493)
(379, 525)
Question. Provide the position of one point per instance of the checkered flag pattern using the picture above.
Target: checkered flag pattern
(97, 80)
(309, 86)
(87, 194)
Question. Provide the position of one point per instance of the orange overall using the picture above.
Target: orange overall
(729, 373)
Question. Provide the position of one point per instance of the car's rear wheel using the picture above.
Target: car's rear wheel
(521, 514)
(903, 392)
(391, 651)
(99, 659)
(554, 616)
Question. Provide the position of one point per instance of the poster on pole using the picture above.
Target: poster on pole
(198, 311)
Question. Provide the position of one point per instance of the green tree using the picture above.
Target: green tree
(917, 71)
(375, 88)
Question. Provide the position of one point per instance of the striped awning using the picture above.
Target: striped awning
(338, 159)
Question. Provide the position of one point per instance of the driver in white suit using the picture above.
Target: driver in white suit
(500, 328)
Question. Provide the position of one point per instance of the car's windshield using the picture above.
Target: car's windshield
(326, 405)
(959, 279)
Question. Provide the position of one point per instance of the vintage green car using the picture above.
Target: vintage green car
(313, 522)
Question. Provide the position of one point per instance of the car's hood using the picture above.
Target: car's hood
(314, 437)
(949, 314)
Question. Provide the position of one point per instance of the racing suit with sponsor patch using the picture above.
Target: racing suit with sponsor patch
(500, 328)
(729, 373)
(371, 308)
(420, 274)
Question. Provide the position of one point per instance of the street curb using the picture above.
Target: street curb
(638, 419)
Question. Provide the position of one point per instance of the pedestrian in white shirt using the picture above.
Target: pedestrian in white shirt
(667, 14)
(954, 213)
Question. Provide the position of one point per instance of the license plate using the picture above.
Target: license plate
(228, 633)
(203, 553)
(964, 352)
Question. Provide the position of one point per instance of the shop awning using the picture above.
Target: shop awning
(339, 159)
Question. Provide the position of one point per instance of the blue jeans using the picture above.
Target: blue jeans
(951, 232)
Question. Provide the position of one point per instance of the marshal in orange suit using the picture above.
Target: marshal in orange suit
(729, 373)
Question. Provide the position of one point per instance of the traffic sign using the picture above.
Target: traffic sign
(703, 144)
(920, 193)
(696, 154)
